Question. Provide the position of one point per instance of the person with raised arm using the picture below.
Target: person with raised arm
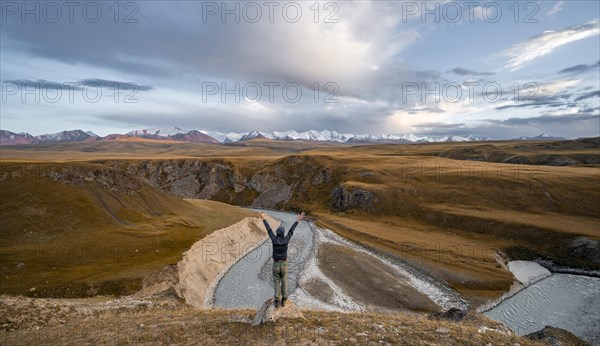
(280, 242)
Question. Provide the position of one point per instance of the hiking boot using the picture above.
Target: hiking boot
(276, 304)
(283, 302)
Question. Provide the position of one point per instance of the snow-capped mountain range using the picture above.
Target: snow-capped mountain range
(333, 136)
(213, 137)
(311, 135)
(542, 137)
(12, 138)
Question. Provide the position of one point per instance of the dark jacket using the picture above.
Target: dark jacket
(280, 242)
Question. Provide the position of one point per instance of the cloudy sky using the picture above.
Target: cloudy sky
(493, 69)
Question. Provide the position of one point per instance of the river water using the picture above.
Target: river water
(570, 302)
(249, 282)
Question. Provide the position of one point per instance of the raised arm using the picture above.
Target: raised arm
(269, 230)
(291, 231)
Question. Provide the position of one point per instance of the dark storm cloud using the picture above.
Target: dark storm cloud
(538, 104)
(558, 100)
(82, 41)
(101, 83)
(581, 68)
(547, 119)
(588, 95)
(595, 110)
(465, 72)
(549, 101)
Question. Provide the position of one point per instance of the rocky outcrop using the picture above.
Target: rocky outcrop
(349, 197)
(556, 337)
(452, 314)
(268, 313)
(279, 185)
(585, 248)
(106, 177)
(188, 178)
(215, 176)
(272, 191)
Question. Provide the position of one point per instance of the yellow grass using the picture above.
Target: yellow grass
(588, 226)
(60, 239)
(161, 323)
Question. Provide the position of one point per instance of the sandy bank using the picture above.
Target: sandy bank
(195, 277)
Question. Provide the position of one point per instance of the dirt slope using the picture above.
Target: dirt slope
(93, 230)
(195, 277)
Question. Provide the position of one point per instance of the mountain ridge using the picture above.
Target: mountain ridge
(215, 137)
